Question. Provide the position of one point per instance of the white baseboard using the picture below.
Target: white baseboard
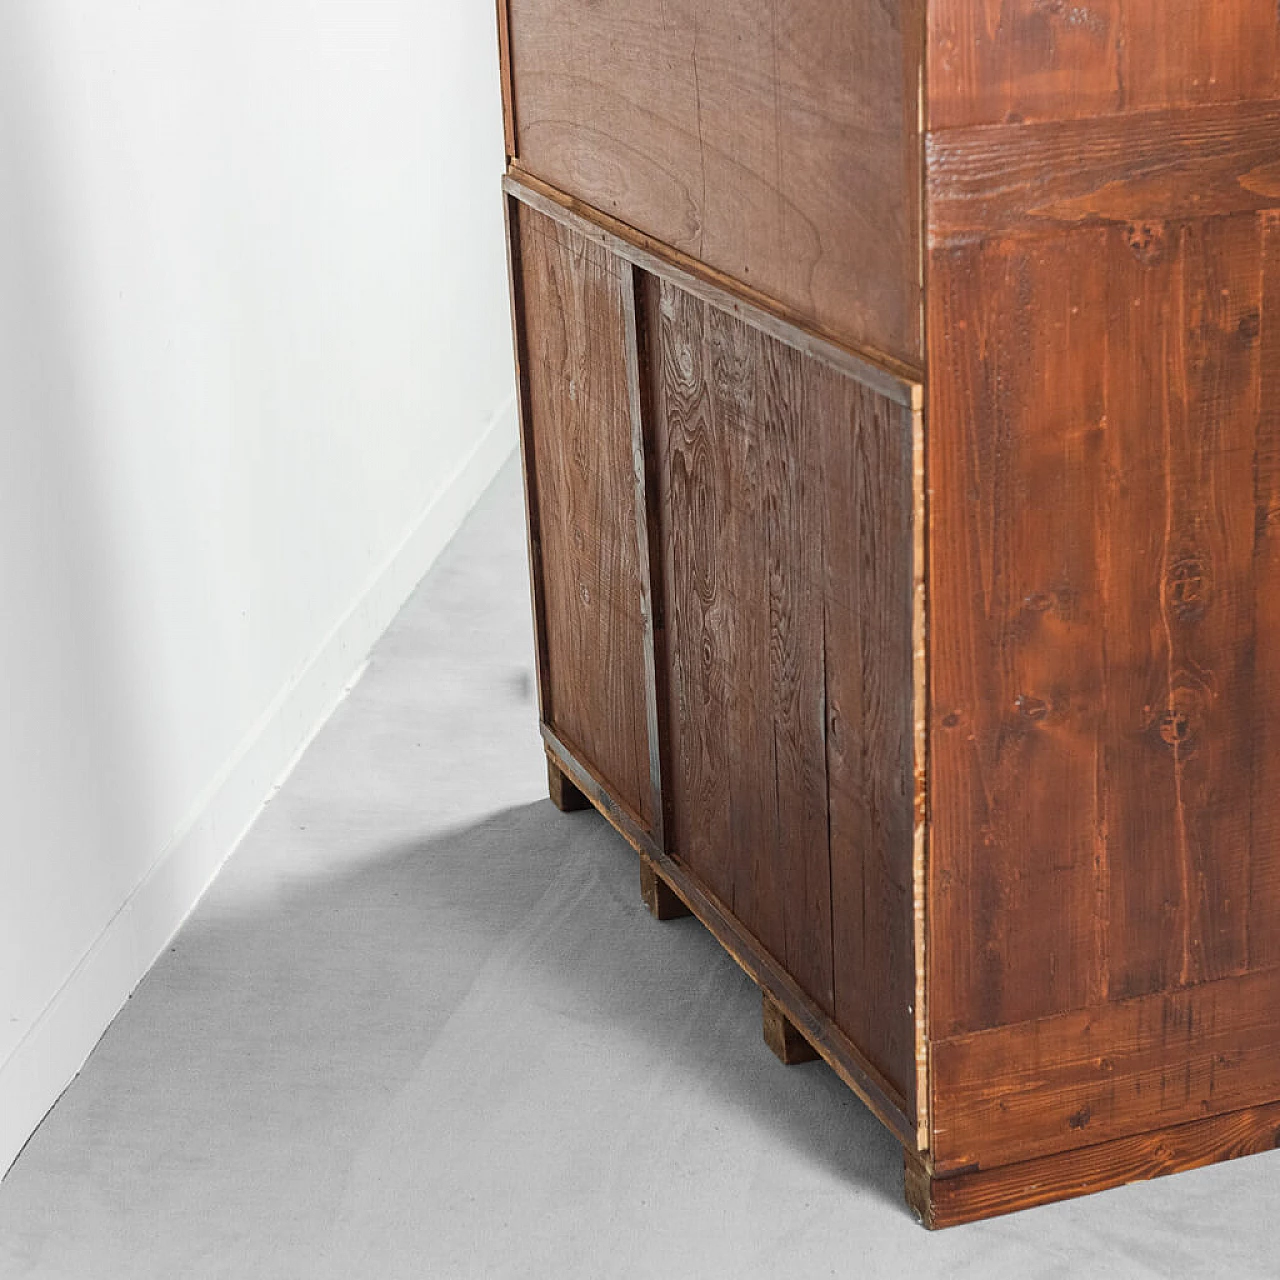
(52, 1052)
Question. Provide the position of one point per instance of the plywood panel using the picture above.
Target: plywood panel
(786, 506)
(775, 143)
(579, 418)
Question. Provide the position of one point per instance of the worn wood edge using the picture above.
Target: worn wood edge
(1031, 1080)
(970, 1196)
(1043, 177)
(527, 459)
(646, 533)
(592, 785)
(920, 750)
(506, 72)
(886, 376)
(845, 1059)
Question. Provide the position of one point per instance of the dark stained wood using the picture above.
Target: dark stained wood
(774, 143)
(659, 898)
(991, 61)
(644, 463)
(970, 1197)
(574, 339)
(1013, 1093)
(866, 528)
(564, 795)
(836, 1049)
(783, 1036)
(787, 561)
(1157, 166)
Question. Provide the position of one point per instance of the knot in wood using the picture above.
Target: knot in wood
(1148, 241)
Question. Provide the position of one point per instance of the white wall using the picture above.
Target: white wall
(254, 367)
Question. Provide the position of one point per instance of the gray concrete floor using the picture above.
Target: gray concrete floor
(421, 1026)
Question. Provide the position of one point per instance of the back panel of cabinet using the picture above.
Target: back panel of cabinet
(776, 143)
(785, 505)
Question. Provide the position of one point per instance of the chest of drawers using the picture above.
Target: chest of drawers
(900, 390)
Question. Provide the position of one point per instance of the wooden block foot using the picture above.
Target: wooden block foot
(658, 895)
(783, 1036)
(564, 795)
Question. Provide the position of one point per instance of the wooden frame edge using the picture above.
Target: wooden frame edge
(890, 378)
(884, 1101)
(527, 458)
(506, 73)
(971, 1196)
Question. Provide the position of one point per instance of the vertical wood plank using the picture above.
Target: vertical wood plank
(580, 412)
(1018, 859)
(869, 552)
(1264, 867)
(505, 72)
(695, 512)
(649, 557)
(1183, 410)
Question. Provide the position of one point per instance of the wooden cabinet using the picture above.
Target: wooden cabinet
(900, 391)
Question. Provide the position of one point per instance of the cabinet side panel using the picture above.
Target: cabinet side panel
(580, 423)
(785, 499)
(1102, 606)
(775, 143)
(1009, 60)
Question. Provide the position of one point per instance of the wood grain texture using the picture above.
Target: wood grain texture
(992, 61)
(775, 143)
(1096, 412)
(574, 337)
(1155, 166)
(970, 1197)
(1264, 859)
(786, 506)
(1015, 1093)
(896, 380)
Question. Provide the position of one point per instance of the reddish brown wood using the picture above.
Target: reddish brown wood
(969, 1197)
(775, 143)
(1123, 1068)
(963, 733)
(783, 1036)
(999, 60)
(1156, 166)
